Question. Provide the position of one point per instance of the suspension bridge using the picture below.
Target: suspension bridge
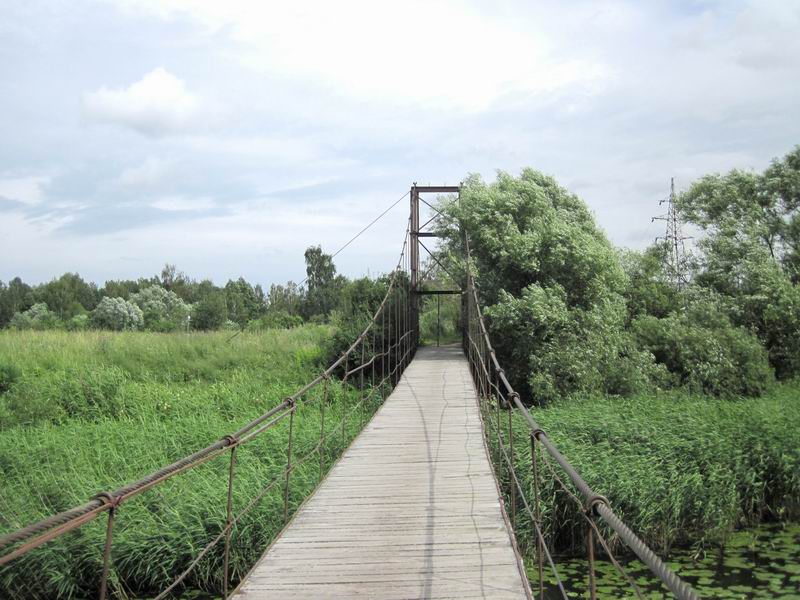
(424, 503)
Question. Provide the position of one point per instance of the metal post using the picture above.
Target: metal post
(288, 468)
(414, 254)
(538, 511)
(511, 466)
(322, 429)
(344, 400)
(438, 324)
(590, 556)
(228, 523)
(107, 552)
(361, 384)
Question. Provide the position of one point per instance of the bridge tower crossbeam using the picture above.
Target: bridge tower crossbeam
(417, 231)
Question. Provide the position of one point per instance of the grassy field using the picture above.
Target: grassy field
(82, 413)
(679, 470)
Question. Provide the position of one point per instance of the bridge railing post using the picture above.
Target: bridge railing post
(322, 429)
(288, 480)
(107, 552)
(538, 513)
(228, 523)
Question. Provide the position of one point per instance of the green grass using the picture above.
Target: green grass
(679, 470)
(88, 412)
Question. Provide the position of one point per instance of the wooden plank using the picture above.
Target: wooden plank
(409, 511)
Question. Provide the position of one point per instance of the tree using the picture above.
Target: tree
(15, 297)
(122, 288)
(117, 314)
(67, 296)
(241, 301)
(750, 253)
(742, 209)
(210, 312)
(322, 283)
(162, 310)
(551, 284)
(287, 299)
(648, 288)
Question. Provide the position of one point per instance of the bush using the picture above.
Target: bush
(275, 319)
(77, 323)
(37, 317)
(705, 352)
(210, 313)
(162, 310)
(118, 315)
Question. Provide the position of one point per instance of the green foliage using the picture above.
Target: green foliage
(447, 326)
(551, 284)
(751, 251)
(67, 296)
(162, 310)
(9, 374)
(648, 290)
(210, 313)
(677, 468)
(705, 352)
(131, 403)
(242, 302)
(118, 315)
(323, 284)
(275, 319)
(288, 298)
(37, 317)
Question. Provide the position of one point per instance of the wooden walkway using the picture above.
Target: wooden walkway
(411, 510)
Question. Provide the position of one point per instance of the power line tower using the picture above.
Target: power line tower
(674, 238)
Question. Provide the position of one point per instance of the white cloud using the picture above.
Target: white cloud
(442, 55)
(151, 172)
(27, 190)
(158, 104)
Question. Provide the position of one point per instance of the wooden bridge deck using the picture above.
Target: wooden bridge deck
(411, 510)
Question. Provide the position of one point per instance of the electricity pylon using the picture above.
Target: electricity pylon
(674, 238)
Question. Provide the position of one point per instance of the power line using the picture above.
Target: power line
(356, 236)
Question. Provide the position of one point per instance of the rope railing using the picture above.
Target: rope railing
(386, 339)
(493, 385)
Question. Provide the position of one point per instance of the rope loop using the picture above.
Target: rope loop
(108, 498)
(590, 506)
(231, 439)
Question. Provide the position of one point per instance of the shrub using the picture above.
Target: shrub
(705, 352)
(37, 317)
(162, 309)
(77, 323)
(210, 312)
(275, 319)
(118, 315)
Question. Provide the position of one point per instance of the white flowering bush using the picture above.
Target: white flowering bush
(38, 316)
(162, 309)
(118, 314)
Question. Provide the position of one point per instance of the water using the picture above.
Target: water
(762, 562)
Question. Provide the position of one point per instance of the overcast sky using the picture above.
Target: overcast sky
(227, 136)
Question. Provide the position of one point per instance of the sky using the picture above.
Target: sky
(227, 136)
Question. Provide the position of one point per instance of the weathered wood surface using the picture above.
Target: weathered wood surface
(411, 510)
